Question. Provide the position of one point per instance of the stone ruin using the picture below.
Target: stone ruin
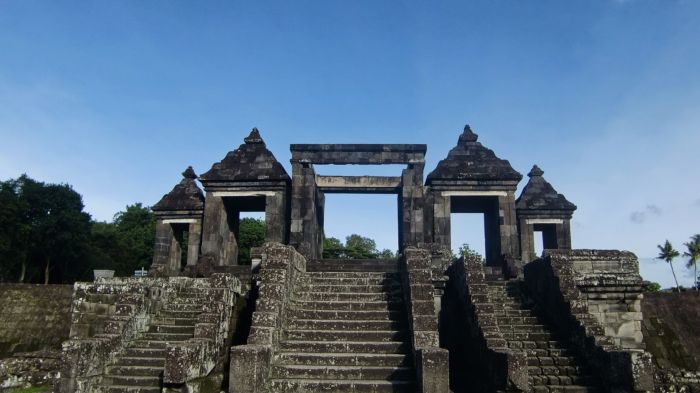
(564, 321)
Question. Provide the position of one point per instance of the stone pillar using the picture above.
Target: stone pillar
(218, 239)
(527, 241)
(508, 227)
(411, 202)
(304, 234)
(442, 211)
(193, 240)
(276, 217)
(564, 235)
(163, 242)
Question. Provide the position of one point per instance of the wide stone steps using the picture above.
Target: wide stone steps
(345, 324)
(348, 305)
(550, 366)
(344, 346)
(345, 359)
(346, 331)
(313, 386)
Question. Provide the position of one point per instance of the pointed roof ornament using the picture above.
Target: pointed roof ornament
(471, 161)
(253, 137)
(189, 173)
(535, 171)
(539, 195)
(185, 196)
(468, 136)
(252, 161)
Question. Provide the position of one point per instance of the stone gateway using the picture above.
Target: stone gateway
(203, 321)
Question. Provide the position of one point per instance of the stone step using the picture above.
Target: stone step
(134, 370)
(348, 305)
(129, 380)
(178, 314)
(145, 351)
(527, 336)
(394, 276)
(175, 321)
(140, 361)
(550, 361)
(367, 288)
(314, 386)
(349, 296)
(507, 321)
(527, 328)
(385, 347)
(128, 389)
(169, 307)
(343, 372)
(340, 281)
(380, 315)
(554, 371)
(170, 337)
(564, 389)
(353, 265)
(183, 329)
(340, 335)
(344, 359)
(345, 324)
(148, 344)
(553, 381)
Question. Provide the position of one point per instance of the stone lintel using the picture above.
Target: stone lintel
(249, 193)
(360, 184)
(474, 193)
(180, 220)
(358, 154)
(544, 221)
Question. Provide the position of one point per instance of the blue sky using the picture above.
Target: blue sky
(117, 98)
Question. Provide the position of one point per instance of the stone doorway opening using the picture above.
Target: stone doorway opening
(487, 207)
(468, 228)
(374, 216)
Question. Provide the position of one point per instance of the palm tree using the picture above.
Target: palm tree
(693, 253)
(668, 254)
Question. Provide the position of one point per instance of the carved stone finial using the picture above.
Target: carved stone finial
(535, 171)
(254, 137)
(468, 136)
(189, 173)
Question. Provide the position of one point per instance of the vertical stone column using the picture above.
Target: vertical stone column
(304, 229)
(175, 257)
(508, 227)
(193, 240)
(218, 240)
(527, 241)
(442, 211)
(564, 235)
(162, 248)
(411, 205)
(276, 217)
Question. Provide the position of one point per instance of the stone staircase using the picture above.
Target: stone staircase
(552, 367)
(139, 368)
(346, 331)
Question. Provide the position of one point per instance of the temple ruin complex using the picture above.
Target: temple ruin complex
(563, 321)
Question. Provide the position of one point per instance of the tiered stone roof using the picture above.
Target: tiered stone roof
(185, 196)
(538, 194)
(252, 161)
(470, 160)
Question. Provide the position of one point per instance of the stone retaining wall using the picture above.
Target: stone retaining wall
(33, 317)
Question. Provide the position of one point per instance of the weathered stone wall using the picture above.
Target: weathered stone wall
(670, 327)
(33, 317)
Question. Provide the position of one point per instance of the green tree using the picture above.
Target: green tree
(360, 247)
(135, 228)
(251, 233)
(465, 250)
(44, 231)
(650, 286)
(693, 253)
(668, 254)
(333, 248)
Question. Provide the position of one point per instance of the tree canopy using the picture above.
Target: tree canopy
(355, 247)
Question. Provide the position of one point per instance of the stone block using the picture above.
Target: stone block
(433, 370)
(249, 365)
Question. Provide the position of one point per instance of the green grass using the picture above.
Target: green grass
(31, 389)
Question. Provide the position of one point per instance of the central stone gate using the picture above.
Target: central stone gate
(309, 188)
